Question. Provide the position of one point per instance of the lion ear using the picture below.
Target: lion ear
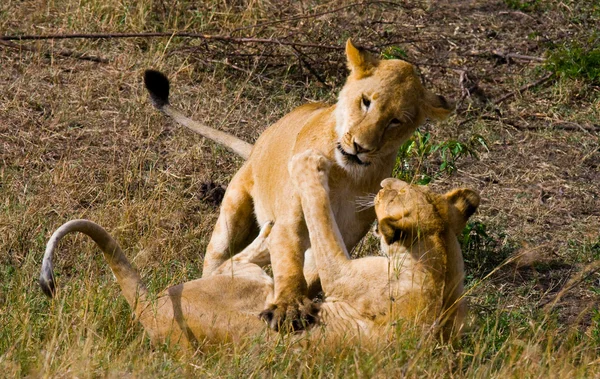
(436, 106)
(360, 61)
(466, 202)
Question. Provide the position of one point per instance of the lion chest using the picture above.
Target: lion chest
(353, 222)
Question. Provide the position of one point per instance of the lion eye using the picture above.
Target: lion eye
(395, 122)
(365, 103)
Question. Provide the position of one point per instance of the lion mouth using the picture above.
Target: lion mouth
(352, 158)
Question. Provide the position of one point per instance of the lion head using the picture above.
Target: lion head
(379, 107)
(407, 213)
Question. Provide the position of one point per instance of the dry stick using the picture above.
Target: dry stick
(62, 53)
(518, 13)
(509, 56)
(207, 37)
(506, 56)
(567, 125)
(303, 62)
(462, 79)
(503, 121)
(524, 88)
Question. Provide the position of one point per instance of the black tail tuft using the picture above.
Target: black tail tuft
(158, 85)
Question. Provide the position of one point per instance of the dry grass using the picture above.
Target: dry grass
(79, 139)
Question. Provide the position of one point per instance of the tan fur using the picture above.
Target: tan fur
(379, 107)
(419, 280)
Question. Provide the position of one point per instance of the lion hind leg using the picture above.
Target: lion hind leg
(235, 225)
(257, 253)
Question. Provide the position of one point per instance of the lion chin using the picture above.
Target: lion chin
(348, 160)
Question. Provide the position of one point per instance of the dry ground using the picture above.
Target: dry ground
(78, 139)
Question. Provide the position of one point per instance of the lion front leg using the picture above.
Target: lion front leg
(309, 172)
(290, 309)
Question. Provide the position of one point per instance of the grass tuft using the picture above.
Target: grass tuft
(576, 60)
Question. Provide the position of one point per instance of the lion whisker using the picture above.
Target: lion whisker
(407, 115)
(365, 202)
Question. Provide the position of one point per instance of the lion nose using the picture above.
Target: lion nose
(359, 149)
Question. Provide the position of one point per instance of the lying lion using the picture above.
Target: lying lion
(419, 278)
(379, 107)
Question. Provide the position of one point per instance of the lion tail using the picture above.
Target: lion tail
(128, 278)
(158, 86)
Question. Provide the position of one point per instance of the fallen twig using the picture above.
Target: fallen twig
(62, 53)
(509, 56)
(207, 37)
(524, 88)
(567, 125)
(507, 121)
(505, 56)
(462, 80)
(516, 13)
(301, 57)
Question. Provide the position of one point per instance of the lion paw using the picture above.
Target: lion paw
(310, 165)
(291, 317)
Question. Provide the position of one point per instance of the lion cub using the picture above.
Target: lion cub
(379, 107)
(419, 278)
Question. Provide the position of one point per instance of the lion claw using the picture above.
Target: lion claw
(291, 317)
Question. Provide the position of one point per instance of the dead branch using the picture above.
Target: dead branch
(207, 37)
(567, 125)
(509, 122)
(236, 54)
(304, 62)
(524, 88)
(507, 57)
(516, 13)
(49, 54)
(464, 91)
